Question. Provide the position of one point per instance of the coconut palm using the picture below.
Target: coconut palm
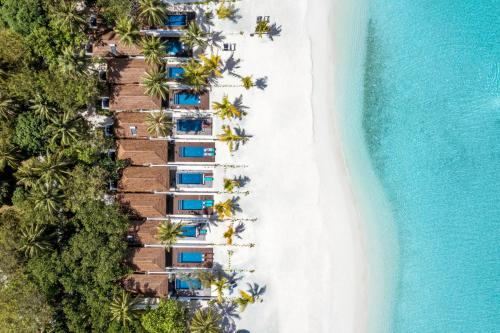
(159, 124)
(155, 83)
(224, 208)
(71, 62)
(168, 233)
(67, 17)
(32, 241)
(195, 75)
(230, 137)
(231, 184)
(64, 129)
(152, 12)
(52, 168)
(194, 36)
(47, 197)
(220, 285)
(228, 235)
(6, 108)
(212, 64)
(225, 109)
(205, 320)
(8, 155)
(26, 174)
(152, 49)
(41, 106)
(127, 31)
(206, 278)
(123, 308)
(224, 12)
(247, 82)
(262, 28)
(244, 299)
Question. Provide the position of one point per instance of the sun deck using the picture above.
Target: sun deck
(144, 179)
(144, 205)
(188, 100)
(192, 204)
(147, 259)
(143, 152)
(191, 257)
(129, 97)
(192, 152)
(150, 285)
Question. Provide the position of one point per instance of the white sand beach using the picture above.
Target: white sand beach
(310, 252)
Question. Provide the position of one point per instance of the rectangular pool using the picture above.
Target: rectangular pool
(174, 47)
(175, 72)
(191, 204)
(187, 284)
(185, 98)
(190, 257)
(176, 20)
(190, 178)
(189, 231)
(193, 151)
(190, 125)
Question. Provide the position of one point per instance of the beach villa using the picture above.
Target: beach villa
(143, 152)
(156, 260)
(145, 232)
(145, 179)
(190, 151)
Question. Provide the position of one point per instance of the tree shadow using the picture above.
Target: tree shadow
(239, 229)
(215, 39)
(229, 313)
(236, 205)
(256, 290)
(243, 180)
(274, 31)
(241, 132)
(261, 83)
(238, 103)
(231, 64)
(235, 15)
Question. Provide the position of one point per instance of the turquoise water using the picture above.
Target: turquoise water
(431, 119)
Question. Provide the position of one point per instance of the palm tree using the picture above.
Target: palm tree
(228, 235)
(224, 209)
(47, 197)
(244, 299)
(155, 83)
(230, 138)
(64, 129)
(168, 233)
(262, 28)
(220, 285)
(224, 12)
(41, 106)
(225, 109)
(66, 16)
(6, 108)
(194, 36)
(206, 278)
(71, 62)
(152, 12)
(212, 64)
(159, 124)
(26, 174)
(127, 31)
(53, 168)
(231, 184)
(32, 241)
(195, 75)
(205, 321)
(123, 309)
(8, 155)
(152, 49)
(247, 82)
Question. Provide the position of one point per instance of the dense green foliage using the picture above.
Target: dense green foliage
(30, 133)
(169, 317)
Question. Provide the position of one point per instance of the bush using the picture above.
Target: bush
(169, 317)
(22, 16)
(30, 134)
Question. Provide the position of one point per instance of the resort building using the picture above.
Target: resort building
(156, 260)
(146, 232)
(144, 179)
(109, 45)
(143, 152)
(149, 285)
(131, 125)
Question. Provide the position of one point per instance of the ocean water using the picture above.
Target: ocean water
(431, 123)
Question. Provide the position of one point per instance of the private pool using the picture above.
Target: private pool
(185, 98)
(176, 20)
(175, 72)
(190, 125)
(190, 178)
(174, 47)
(190, 257)
(193, 204)
(196, 151)
(189, 231)
(187, 284)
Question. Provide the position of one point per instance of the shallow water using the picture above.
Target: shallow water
(431, 121)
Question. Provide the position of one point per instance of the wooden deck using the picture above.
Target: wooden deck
(130, 97)
(208, 257)
(204, 100)
(149, 285)
(178, 197)
(177, 148)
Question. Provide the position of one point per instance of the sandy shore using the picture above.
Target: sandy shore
(309, 250)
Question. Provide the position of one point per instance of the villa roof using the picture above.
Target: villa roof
(125, 120)
(126, 70)
(147, 259)
(145, 205)
(152, 285)
(127, 97)
(144, 179)
(143, 152)
(144, 232)
(102, 47)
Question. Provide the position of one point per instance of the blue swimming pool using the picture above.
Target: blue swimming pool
(175, 72)
(187, 284)
(176, 20)
(174, 47)
(190, 257)
(193, 151)
(191, 204)
(190, 178)
(189, 125)
(189, 231)
(185, 98)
